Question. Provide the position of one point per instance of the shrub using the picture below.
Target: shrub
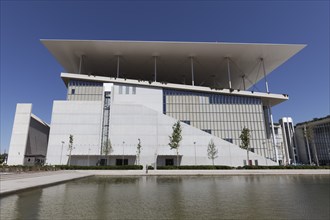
(282, 167)
(192, 167)
(125, 167)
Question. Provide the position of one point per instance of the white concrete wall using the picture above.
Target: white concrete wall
(82, 119)
(130, 122)
(19, 134)
(149, 97)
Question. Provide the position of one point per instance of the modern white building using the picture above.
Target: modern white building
(128, 92)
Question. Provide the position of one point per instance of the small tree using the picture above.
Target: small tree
(138, 152)
(175, 139)
(245, 141)
(70, 148)
(107, 148)
(212, 151)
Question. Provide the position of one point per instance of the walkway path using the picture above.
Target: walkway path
(14, 182)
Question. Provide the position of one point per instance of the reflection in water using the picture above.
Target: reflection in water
(221, 197)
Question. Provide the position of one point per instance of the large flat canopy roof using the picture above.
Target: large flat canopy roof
(174, 60)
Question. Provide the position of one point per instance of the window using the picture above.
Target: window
(230, 140)
(133, 90)
(120, 89)
(127, 90)
(185, 121)
(73, 91)
(207, 130)
(103, 162)
(169, 162)
(119, 162)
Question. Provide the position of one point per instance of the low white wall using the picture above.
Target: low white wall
(82, 119)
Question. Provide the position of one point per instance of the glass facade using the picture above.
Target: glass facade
(322, 142)
(221, 115)
(84, 91)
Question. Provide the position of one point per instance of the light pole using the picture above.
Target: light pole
(61, 152)
(195, 152)
(123, 152)
(88, 155)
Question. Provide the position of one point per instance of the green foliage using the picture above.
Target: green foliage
(70, 148)
(138, 152)
(176, 136)
(212, 151)
(193, 167)
(281, 167)
(3, 157)
(245, 138)
(245, 141)
(21, 168)
(175, 139)
(70, 142)
(125, 167)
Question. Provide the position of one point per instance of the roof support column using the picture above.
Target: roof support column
(81, 63)
(155, 67)
(192, 70)
(263, 67)
(243, 79)
(118, 65)
(228, 70)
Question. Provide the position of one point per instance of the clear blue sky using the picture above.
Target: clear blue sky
(29, 73)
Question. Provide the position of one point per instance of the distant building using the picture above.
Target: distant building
(289, 144)
(313, 141)
(282, 153)
(127, 92)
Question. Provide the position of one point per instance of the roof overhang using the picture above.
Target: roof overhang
(174, 60)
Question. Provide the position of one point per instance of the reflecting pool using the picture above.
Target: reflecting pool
(194, 197)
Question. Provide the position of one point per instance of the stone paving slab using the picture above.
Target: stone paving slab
(12, 183)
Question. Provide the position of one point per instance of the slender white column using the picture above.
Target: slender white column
(264, 69)
(192, 71)
(228, 69)
(80, 64)
(273, 133)
(155, 58)
(118, 63)
(243, 79)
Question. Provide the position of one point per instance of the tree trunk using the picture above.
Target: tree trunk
(177, 157)
(69, 162)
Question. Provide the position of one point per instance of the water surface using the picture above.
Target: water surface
(221, 197)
